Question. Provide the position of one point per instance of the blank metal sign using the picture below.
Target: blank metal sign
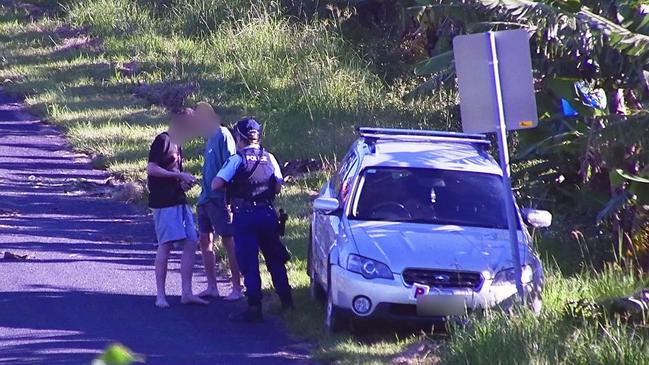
(474, 65)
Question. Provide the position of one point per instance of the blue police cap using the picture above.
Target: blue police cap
(247, 127)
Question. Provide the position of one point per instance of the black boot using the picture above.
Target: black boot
(252, 314)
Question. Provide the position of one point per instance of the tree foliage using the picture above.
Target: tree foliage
(594, 56)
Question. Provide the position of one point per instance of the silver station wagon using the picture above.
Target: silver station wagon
(413, 227)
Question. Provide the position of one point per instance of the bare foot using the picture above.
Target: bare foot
(210, 292)
(192, 299)
(161, 303)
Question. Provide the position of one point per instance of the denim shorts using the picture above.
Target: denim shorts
(215, 217)
(174, 225)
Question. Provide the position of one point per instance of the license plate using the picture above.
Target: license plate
(437, 301)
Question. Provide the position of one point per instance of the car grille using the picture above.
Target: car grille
(443, 278)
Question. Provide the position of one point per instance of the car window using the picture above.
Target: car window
(431, 196)
(344, 177)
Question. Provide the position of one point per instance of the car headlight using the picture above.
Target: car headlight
(370, 269)
(508, 276)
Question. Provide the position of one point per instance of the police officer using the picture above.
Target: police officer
(253, 179)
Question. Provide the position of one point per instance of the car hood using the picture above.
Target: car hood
(445, 247)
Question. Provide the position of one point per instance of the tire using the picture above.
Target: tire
(334, 319)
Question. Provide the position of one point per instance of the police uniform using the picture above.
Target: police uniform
(253, 175)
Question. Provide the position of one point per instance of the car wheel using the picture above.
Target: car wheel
(315, 289)
(334, 321)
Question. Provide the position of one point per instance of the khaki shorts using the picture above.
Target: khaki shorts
(174, 225)
(215, 217)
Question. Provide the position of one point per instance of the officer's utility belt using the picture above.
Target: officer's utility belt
(239, 205)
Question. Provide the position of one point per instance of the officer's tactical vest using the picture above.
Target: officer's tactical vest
(254, 180)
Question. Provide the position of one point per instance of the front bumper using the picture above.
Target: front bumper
(392, 299)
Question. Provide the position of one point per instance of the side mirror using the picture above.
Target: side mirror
(537, 218)
(326, 205)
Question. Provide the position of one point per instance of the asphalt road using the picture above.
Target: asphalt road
(90, 281)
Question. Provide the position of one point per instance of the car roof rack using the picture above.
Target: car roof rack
(371, 135)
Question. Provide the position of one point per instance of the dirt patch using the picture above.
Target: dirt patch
(109, 188)
(11, 256)
(296, 169)
(69, 31)
(129, 69)
(82, 42)
(167, 94)
(129, 192)
(424, 352)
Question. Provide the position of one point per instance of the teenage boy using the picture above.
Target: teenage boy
(214, 215)
(174, 224)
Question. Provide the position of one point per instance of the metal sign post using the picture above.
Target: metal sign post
(497, 94)
(503, 157)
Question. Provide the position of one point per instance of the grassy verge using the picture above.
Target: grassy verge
(310, 87)
(304, 81)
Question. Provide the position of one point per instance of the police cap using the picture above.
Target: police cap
(248, 128)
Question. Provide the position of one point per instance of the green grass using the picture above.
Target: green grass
(547, 339)
(555, 337)
(310, 86)
(304, 81)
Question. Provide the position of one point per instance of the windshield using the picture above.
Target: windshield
(431, 196)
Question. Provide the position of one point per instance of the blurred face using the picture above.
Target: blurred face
(205, 119)
(184, 124)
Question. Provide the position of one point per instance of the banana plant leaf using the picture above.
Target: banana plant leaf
(571, 6)
(429, 13)
(641, 191)
(617, 36)
(435, 64)
(639, 179)
(534, 168)
(435, 82)
(546, 145)
(613, 206)
(639, 185)
(492, 26)
(616, 179)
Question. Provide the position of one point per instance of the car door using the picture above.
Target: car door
(327, 226)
